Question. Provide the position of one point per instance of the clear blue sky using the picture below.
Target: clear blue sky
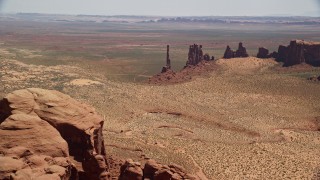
(165, 7)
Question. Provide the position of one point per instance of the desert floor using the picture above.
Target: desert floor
(248, 119)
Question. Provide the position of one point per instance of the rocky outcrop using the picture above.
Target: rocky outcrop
(48, 135)
(154, 171)
(195, 54)
(229, 53)
(274, 55)
(207, 57)
(131, 171)
(242, 51)
(300, 52)
(168, 62)
(263, 53)
(282, 53)
(314, 78)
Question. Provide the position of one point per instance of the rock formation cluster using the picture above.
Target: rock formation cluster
(196, 55)
(152, 170)
(240, 52)
(298, 52)
(229, 53)
(263, 53)
(48, 135)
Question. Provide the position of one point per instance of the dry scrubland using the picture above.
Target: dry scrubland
(244, 120)
(247, 119)
(135, 51)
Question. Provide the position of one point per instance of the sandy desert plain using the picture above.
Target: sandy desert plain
(248, 118)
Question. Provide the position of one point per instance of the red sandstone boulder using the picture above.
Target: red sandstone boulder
(131, 171)
(49, 135)
(165, 174)
(154, 171)
(150, 168)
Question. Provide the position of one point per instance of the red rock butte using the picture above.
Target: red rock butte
(299, 51)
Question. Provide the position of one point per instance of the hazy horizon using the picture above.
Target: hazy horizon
(165, 7)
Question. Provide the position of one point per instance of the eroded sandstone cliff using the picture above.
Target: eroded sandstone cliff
(48, 135)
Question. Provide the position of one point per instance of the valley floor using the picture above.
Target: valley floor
(244, 120)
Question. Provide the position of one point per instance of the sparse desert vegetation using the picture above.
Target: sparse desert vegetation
(241, 118)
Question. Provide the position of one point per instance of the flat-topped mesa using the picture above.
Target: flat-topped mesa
(168, 62)
(242, 51)
(195, 54)
(298, 52)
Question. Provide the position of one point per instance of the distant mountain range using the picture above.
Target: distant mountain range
(301, 20)
(242, 20)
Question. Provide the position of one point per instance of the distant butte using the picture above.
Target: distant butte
(196, 64)
(297, 52)
(196, 55)
(241, 52)
(168, 62)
